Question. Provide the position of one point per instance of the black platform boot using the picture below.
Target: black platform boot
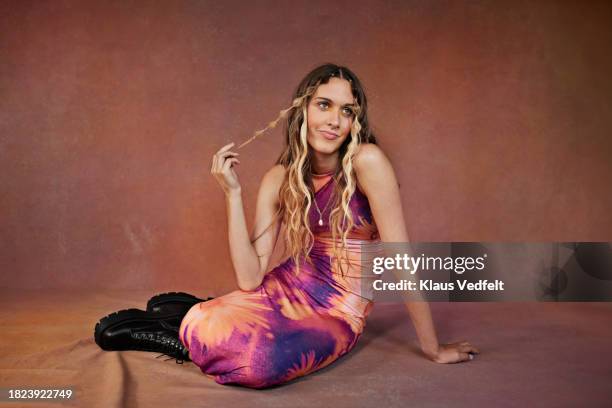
(135, 329)
(173, 302)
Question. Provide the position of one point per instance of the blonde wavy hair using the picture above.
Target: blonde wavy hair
(296, 194)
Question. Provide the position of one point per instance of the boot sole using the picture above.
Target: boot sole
(171, 297)
(122, 316)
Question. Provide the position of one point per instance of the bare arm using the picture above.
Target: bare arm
(376, 177)
(250, 259)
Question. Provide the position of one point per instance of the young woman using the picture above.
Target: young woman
(334, 190)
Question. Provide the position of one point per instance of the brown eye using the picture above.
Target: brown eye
(348, 112)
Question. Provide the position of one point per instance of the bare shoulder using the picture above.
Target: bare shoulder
(372, 168)
(273, 179)
(369, 156)
(276, 173)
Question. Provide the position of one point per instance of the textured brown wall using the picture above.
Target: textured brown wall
(495, 114)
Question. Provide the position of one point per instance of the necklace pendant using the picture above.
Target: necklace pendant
(320, 222)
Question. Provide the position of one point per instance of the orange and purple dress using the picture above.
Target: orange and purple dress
(292, 324)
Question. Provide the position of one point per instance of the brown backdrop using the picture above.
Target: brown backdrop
(496, 116)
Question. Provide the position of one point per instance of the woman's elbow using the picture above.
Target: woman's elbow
(245, 288)
(249, 286)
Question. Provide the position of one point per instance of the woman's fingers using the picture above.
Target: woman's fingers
(465, 357)
(226, 147)
(222, 160)
(458, 352)
(219, 159)
(221, 168)
(468, 348)
(215, 162)
(468, 353)
(228, 164)
(227, 154)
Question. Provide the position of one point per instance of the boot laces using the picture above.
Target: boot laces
(168, 345)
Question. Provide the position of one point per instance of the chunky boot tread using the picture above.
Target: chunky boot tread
(121, 317)
(135, 329)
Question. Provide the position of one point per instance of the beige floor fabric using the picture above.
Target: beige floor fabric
(533, 354)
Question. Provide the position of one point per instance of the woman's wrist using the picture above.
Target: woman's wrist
(234, 192)
(431, 351)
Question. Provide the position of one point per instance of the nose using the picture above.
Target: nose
(334, 118)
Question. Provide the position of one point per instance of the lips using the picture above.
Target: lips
(328, 135)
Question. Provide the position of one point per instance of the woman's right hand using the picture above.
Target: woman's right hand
(453, 353)
(222, 169)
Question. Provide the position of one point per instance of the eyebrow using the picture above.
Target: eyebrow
(329, 100)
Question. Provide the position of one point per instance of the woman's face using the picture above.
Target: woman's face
(330, 115)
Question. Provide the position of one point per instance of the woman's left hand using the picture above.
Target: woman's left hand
(453, 353)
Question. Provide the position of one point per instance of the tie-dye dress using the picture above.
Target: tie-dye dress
(291, 325)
